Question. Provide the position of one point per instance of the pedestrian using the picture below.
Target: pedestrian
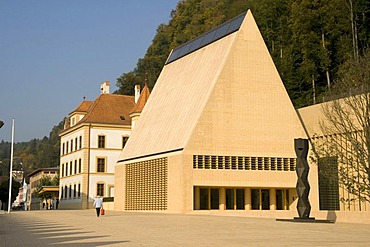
(98, 203)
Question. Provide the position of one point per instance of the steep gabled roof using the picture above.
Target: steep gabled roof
(144, 96)
(177, 100)
(225, 98)
(110, 109)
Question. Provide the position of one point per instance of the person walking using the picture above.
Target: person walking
(98, 204)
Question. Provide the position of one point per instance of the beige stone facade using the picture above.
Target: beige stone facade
(35, 177)
(221, 135)
(312, 117)
(217, 135)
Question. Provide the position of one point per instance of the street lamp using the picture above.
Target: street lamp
(11, 169)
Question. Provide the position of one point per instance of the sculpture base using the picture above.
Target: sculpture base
(306, 220)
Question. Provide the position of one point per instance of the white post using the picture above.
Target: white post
(11, 168)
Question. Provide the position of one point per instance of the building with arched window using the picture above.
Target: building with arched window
(93, 137)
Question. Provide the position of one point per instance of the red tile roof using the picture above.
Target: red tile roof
(144, 96)
(110, 109)
(83, 107)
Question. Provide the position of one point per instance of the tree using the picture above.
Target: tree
(346, 126)
(4, 192)
(46, 180)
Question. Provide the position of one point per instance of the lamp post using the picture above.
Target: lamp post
(11, 169)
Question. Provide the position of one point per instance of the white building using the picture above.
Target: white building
(93, 137)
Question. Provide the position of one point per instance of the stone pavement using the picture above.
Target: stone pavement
(83, 228)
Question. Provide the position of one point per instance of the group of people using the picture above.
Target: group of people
(53, 204)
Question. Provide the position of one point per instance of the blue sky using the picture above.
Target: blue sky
(53, 53)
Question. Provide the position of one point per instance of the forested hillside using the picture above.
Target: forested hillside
(33, 154)
(308, 39)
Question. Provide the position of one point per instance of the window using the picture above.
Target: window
(80, 142)
(101, 141)
(79, 165)
(111, 191)
(62, 172)
(67, 144)
(240, 199)
(76, 143)
(124, 141)
(74, 191)
(282, 199)
(76, 171)
(215, 199)
(255, 199)
(63, 147)
(220, 162)
(79, 190)
(100, 189)
(65, 192)
(265, 199)
(229, 198)
(328, 184)
(209, 198)
(66, 169)
(70, 191)
(61, 194)
(101, 164)
(72, 145)
(70, 168)
(203, 199)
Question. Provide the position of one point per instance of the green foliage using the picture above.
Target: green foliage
(31, 155)
(46, 180)
(4, 190)
(308, 39)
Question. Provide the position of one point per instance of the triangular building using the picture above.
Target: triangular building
(217, 132)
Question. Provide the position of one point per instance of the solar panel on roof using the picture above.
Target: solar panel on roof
(221, 31)
(236, 23)
(174, 55)
(184, 50)
(195, 44)
(207, 38)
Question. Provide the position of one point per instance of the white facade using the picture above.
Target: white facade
(80, 174)
(93, 137)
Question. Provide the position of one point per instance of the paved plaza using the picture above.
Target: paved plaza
(83, 228)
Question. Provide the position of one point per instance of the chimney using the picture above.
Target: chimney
(104, 88)
(137, 92)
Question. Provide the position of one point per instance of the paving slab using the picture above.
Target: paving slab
(83, 228)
